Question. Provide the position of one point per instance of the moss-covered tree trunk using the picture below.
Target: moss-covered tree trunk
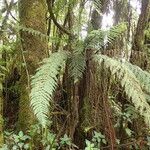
(141, 26)
(139, 58)
(32, 14)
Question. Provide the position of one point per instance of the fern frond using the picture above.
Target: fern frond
(97, 5)
(77, 66)
(33, 32)
(95, 40)
(115, 32)
(129, 82)
(141, 75)
(44, 83)
(99, 38)
(77, 60)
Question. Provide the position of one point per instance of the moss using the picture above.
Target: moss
(86, 114)
(33, 15)
(26, 117)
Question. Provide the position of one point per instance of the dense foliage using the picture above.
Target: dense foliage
(75, 74)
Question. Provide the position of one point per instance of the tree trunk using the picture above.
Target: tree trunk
(1, 114)
(138, 56)
(95, 111)
(1, 102)
(32, 14)
(141, 26)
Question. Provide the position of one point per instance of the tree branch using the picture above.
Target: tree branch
(55, 21)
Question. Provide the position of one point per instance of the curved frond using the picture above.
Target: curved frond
(141, 75)
(129, 82)
(44, 83)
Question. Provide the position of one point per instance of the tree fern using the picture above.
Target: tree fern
(95, 40)
(44, 83)
(129, 82)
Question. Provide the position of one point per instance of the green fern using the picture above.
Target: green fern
(97, 5)
(129, 82)
(33, 32)
(77, 61)
(99, 38)
(77, 66)
(3, 70)
(116, 31)
(142, 76)
(95, 40)
(44, 83)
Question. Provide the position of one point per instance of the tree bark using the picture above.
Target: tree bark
(139, 58)
(32, 14)
(1, 113)
(94, 107)
(138, 55)
(141, 26)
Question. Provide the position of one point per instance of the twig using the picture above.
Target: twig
(13, 17)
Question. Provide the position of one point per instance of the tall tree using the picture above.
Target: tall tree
(138, 55)
(32, 15)
(141, 26)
